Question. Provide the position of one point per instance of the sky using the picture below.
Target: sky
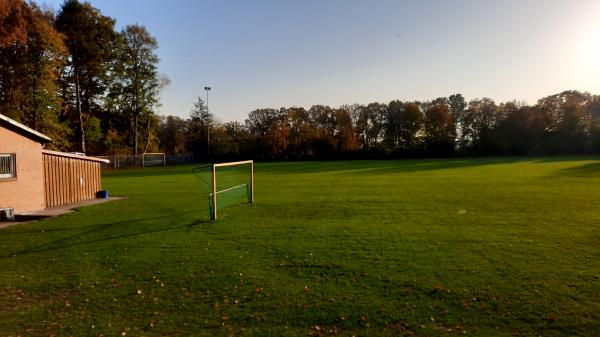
(260, 54)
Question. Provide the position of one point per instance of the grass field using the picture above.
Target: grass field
(482, 247)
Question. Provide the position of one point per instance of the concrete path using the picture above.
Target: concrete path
(55, 211)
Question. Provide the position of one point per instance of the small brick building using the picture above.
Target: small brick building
(32, 179)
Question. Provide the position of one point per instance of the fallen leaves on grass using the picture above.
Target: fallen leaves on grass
(317, 330)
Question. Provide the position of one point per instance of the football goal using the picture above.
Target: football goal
(153, 159)
(227, 184)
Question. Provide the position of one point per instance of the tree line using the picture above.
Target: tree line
(73, 77)
(92, 89)
(564, 123)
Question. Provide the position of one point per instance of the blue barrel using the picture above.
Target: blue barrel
(102, 194)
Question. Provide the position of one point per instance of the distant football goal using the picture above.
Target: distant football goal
(153, 159)
(227, 184)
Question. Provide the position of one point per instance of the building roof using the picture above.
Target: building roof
(75, 156)
(25, 130)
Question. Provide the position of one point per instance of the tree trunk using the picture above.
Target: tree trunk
(148, 139)
(34, 123)
(78, 107)
(135, 134)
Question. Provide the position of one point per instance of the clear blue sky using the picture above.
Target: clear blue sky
(298, 53)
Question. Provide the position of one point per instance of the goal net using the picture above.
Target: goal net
(153, 159)
(227, 184)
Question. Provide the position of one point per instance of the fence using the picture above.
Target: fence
(132, 161)
(70, 178)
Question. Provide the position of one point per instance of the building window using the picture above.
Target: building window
(8, 167)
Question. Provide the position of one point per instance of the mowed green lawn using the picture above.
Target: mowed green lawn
(482, 247)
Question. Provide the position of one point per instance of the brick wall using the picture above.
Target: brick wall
(25, 193)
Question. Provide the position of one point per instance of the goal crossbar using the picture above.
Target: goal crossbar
(234, 163)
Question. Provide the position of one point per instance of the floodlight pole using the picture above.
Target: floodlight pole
(207, 89)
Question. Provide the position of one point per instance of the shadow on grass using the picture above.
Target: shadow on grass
(584, 170)
(563, 158)
(45, 230)
(94, 230)
(329, 167)
(430, 165)
(427, 165)
(151, 171)
(371, 166)
(401, 165)
(405, 165)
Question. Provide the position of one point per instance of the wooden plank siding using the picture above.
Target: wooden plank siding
(70, 178)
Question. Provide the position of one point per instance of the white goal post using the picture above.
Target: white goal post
(153, 159)
(246, 183)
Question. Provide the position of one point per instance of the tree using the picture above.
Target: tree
(393, 123)
(522, 130)
(44, 57)
(300, 132)
(322, 131)
(14, 19)
(271, 131)
(137, 82)
(198, 131)
(344, 131)
(89, 37)
(570, 122)
(593, 108)
(238, 142)
(457, 105)
(411, 121)
(439, 128)
(477, 124)
(172, 133)
(371, 121)
(30, 68)
(403, 123)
